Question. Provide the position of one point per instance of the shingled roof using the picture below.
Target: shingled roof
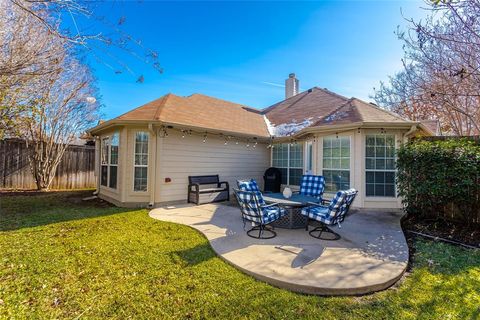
(318, 107)
(201, 111)
(315, 107)
(313, 103)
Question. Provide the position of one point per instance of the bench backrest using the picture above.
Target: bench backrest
(212, 179)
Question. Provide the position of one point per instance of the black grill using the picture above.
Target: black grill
(272, 179)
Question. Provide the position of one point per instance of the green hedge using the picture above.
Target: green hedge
(441, 179)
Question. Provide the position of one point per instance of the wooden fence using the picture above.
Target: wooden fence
(76, 170)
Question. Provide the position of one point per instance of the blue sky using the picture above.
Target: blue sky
(243, 51)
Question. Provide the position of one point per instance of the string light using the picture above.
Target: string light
(164, 132)
(249, 142)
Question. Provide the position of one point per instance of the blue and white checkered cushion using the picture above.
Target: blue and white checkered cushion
(312, 186)
(336, 211)
(248, 185)
(271, 214)
(252, 209)
(319, 213)
(251, 185)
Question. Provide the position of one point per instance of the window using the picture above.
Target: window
(380, 165)
(336, 163)
(309, 165)
(104, 161)
(109, 161)
(289, 159)
(140, 165)
(113, 168)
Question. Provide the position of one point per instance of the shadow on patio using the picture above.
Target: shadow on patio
(371, 255)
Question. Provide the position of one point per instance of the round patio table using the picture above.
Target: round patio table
(294, 219)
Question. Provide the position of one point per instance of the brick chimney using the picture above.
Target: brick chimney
(291, 86)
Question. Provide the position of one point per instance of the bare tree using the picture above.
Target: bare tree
(47, 95)
(441, 78)
(102, 33)
(63, 108)
(28, 53)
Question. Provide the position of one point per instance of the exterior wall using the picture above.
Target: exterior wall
(176, 158)
(179, 157)
(141, 198)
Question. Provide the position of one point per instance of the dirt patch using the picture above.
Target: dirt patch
(71, 196)
(444, 229)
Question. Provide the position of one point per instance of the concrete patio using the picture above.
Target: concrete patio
(371, 255)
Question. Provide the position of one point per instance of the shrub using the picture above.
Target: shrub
(441, 179)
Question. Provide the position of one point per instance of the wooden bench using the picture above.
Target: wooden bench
(206, 189)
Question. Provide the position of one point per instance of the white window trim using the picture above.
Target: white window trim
(349, 162)
(288, 161)
(140, 165)
(379, 198)
(308, 158)
(109, 160)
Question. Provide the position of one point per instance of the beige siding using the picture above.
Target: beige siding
(141, 197)
(179, 157)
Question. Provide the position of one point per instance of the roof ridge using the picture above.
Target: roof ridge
(381, 109)
(332, 93)
(143, 105)
(265, 110)
(219, 99)
(156, 116)
(341, 106)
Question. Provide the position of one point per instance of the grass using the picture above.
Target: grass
(61, 258)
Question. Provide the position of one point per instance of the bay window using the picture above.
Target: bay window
(380, 165)
(288, 158)
(336, 163)
(140, 175)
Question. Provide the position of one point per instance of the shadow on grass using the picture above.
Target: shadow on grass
(26, 210)
(195, 255)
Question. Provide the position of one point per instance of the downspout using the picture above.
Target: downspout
(152, 168)
(413, 129)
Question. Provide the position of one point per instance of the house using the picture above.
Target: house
(144, 157)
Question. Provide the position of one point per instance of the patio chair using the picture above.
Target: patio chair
(332, 214)
(261, 215)
(248, 185)
(312, 186)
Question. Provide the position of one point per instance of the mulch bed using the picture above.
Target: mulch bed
(444, 229)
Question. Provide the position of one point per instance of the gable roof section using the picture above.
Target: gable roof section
(318, 107)
(433, 126)
(355, 110)
(311, 104)
(201, 111)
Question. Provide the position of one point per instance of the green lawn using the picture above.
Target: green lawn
(60, 258)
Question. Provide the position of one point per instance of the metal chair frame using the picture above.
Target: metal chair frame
(261, 226)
